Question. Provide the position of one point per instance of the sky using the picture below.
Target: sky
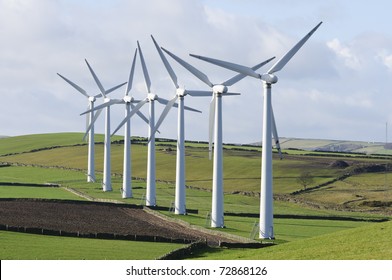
(336, 87)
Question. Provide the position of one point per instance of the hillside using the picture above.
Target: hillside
(364, 243)
(361, 184)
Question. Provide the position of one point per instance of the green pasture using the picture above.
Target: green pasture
(241, 167)
(25, 143)
(371, 242)
(24, 246)
(358, 192)
(36, 192)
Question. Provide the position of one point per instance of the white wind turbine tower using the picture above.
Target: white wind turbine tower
(268, 78)
(106, 183)
(180, 201)
(127, 100)
(215, 130)
(90, 121)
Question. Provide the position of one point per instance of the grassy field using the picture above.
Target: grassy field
(23, 246)
(241, 167)
(370, 242)
(66, 165)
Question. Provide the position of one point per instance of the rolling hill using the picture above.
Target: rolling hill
(342, 146)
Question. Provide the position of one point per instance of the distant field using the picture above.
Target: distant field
(335, 146)
(26, 143)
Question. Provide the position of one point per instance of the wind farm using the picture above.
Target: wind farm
(205, 197)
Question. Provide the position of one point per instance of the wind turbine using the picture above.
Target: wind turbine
(215, 130)
(151, 98)
(127, 100)
(106, 183)
(268, 78)
(90, 123)
(180, 203)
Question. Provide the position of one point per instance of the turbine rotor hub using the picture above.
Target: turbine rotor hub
(128, 99)
(92, 98)
(107, 99)
(219, 89)
(180, 92)
(269, 78)
(152, 96)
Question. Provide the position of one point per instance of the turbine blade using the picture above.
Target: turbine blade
(166, 102)
(203, 77)
(286, 58)
(131, 73)
(211, 125)
(145, 72)
(240, 76)
(191, 109)
(140, 114)
(97, 81)
(229, 65)
(138, 106)
(97, 114)
(114, 88)
(231, 93)
(162, 100)
(92, 123)
(275, 135)
(75, 86)
(198, 93)
(87, 118)
(134, 110)
(164, 114)
(166, 63)
(103, 105)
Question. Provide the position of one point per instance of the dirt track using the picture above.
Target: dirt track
(95, 218)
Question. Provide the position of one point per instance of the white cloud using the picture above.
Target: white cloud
(350, 59)
(386, 58)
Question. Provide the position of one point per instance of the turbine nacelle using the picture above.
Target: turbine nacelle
(128, 99)
(269, 78)
(152, 96)
(92, 98)
(219, 89)
(106, 100)
(180, 92)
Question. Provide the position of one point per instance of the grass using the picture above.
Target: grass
(370, 242)
(23, 246)
(38, 175)
(352, 192)
(36, 192)
(25, 143)
(241, 167)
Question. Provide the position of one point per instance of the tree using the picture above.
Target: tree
(305, 179)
